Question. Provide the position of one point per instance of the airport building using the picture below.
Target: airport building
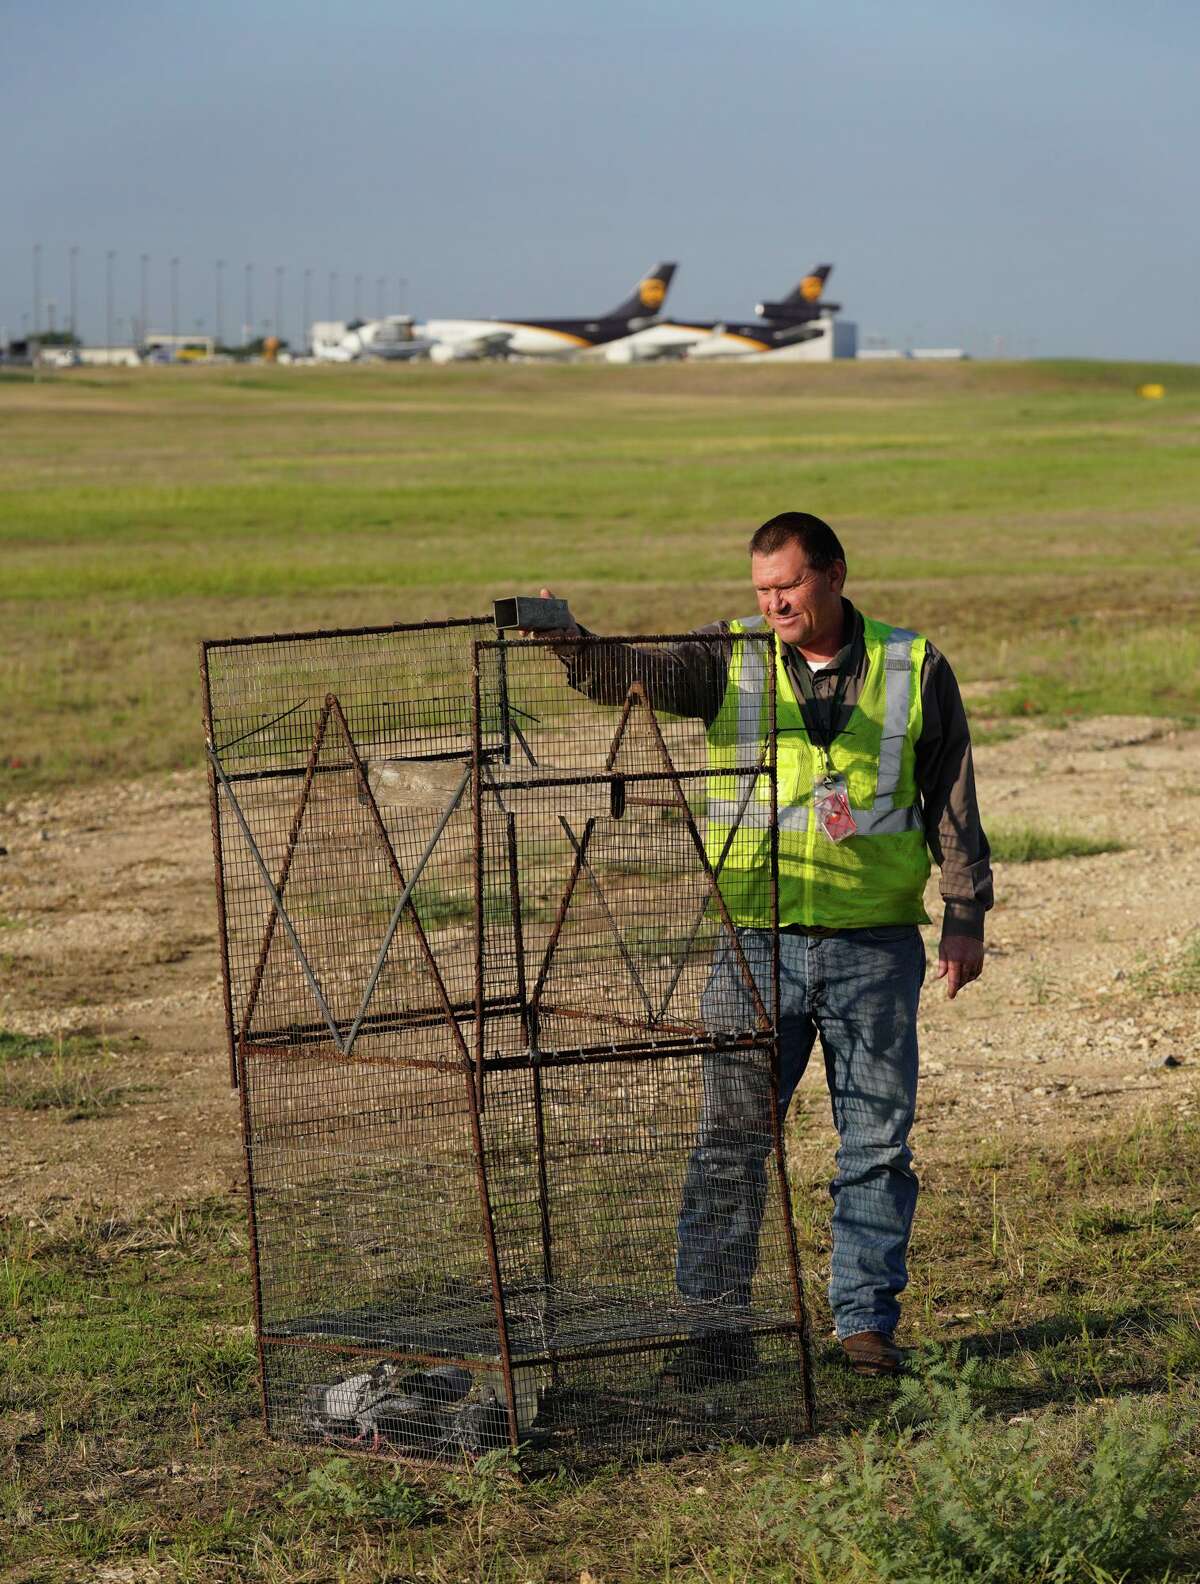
(838, 339)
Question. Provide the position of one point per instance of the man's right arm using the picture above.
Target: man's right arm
(685, 678)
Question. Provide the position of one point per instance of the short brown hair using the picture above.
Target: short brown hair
(816, 538)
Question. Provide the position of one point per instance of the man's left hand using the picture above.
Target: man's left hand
(960, 959)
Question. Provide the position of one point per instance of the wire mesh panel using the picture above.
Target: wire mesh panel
(504, 1014)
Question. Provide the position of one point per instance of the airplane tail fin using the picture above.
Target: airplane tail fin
(647, 296)
(804, 301)
(808, 290)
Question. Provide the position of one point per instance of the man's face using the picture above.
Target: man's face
(799, 602)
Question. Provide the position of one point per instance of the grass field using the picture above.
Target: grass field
(1040, 521)
(1058, 1443)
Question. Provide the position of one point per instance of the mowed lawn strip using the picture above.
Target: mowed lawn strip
(129, 1408)
(1039, 520)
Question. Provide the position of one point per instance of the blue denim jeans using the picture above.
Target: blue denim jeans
(859, 991)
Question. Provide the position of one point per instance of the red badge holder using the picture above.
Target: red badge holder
(831, 801)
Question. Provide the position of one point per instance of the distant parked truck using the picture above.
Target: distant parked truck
(159, 347)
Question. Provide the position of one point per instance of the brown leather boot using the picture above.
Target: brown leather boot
(873, 1353)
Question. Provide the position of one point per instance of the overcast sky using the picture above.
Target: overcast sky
(1012, 173)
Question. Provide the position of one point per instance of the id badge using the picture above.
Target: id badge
(832, 803)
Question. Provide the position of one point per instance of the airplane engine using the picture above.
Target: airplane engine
(447, 352)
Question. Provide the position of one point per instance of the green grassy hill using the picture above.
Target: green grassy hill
(1039, 520)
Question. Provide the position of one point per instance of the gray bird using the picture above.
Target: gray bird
(380, 1404)
(478, 1427)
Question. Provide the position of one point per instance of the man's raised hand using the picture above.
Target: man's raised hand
(553, 634)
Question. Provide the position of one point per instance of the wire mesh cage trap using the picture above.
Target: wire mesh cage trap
(507, 1060)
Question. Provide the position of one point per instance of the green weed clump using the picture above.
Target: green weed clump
(68, 1073)
(994, 733)
(348, 1490)
(1177, 975)
(23, 1047)
(948, 1500)
(1184, 976)
(358, 1489)
(1028, 844)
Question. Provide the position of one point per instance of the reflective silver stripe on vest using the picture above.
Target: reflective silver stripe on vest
(897, 679)
(752, 684)
(870, 822)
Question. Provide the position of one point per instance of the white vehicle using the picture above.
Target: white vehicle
(393, 339)
(466, 340)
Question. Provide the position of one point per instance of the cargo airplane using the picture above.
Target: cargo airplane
(457, 340)
(783, 323)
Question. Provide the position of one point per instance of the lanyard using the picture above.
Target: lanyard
(822, 716)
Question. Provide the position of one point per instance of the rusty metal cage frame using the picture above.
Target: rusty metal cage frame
(488, 777)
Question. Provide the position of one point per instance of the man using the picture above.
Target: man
(875, 776)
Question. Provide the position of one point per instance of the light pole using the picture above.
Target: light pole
(37, 287)
(403, 291)
(73, 288)
(249, 320)
(279, 271)
(379, 297)
(304, 318)
(358, 296)
(110, 259)
(145, 302)
(333, 294)
(174, 299)
(220, 320)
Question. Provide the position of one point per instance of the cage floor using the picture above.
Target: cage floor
(546, 1319)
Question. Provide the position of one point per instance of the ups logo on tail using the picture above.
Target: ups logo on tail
(810, 287)
(651, 293)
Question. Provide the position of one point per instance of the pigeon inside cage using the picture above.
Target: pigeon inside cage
(505, 1043)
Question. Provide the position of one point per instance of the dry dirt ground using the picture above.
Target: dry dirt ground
(107, 923)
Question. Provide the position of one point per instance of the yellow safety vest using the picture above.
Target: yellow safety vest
(875, 877)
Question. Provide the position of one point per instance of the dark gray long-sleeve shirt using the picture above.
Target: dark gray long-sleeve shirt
(690, 679)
